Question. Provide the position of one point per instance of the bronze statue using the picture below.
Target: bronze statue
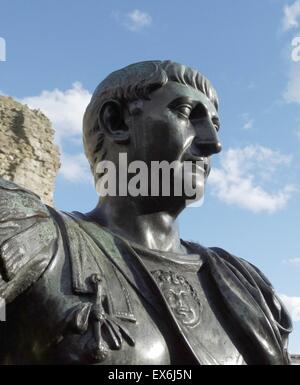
(117, 285)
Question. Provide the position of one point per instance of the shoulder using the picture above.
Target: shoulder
(254, 281)
(28, 239)
(243, 266)
(236, 275)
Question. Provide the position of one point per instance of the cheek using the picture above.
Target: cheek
(167, 135)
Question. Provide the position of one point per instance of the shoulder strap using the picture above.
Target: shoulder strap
(28, 239)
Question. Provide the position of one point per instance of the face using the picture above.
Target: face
(184, 306)
(180, 124)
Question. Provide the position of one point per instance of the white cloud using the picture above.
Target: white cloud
(65, 109)
(292, 92)
(293, 306)
(75, 168)
(243, 174)
(298, 134)
(293, 261)
(291, 16)
(136, 20)
(248, 124)
(291, 20)
(247, 121)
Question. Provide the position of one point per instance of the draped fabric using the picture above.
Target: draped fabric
(261, 321)
(28, 242)
(245, 296)
(252, 303)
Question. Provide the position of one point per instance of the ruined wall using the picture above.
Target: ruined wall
(295, 358)
(28, 155)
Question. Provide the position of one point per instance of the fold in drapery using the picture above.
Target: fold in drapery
(253, 304)
(260, 318)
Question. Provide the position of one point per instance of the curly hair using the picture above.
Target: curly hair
(131, 83)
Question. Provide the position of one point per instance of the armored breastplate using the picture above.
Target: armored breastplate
(76, 293)
(103, 301)
(104, 321)
(84, 310)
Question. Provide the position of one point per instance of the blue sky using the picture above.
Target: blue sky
(58, 51)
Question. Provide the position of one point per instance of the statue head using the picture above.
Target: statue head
(153, 111)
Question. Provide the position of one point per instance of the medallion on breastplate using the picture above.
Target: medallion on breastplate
(180, 296)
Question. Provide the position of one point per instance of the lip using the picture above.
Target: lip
(198, 169)
(187, 157)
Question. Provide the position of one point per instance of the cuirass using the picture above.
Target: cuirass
(52, 323)
(78, 294)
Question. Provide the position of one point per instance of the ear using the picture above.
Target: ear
(111, 119)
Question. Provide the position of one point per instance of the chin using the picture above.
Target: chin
(196, 199)
(193, 185)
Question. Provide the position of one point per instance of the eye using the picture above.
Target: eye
(171, 298)
(184, 110)
(216, 122)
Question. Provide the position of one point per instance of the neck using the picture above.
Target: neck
(150, 227)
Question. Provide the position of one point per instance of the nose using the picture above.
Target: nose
(206, 141)
(180, 302)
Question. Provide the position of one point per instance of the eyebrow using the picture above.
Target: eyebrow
(187, 100)
(181, 100)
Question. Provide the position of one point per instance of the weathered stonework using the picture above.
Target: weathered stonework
(295, 359)
(28, 155)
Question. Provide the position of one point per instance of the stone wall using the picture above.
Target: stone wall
(28, 155)
(295, 358)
